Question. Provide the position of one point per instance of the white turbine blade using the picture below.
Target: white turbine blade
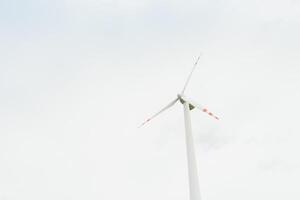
(200, 107)
(190, 75)
(162, 110)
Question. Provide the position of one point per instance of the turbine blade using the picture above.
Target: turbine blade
(162, 110)
(200, 107)
(190, 75)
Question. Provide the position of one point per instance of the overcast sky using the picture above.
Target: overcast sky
(77, 77)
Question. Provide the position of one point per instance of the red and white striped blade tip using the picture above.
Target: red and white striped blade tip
(210, 113)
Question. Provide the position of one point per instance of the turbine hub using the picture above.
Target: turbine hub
(180, 98)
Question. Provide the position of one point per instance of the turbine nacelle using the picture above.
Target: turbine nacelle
(183, 99)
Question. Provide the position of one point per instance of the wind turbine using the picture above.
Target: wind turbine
(188, 105)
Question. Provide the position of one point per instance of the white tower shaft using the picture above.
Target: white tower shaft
(192, 163)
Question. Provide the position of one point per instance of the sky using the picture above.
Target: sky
(77, 78)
